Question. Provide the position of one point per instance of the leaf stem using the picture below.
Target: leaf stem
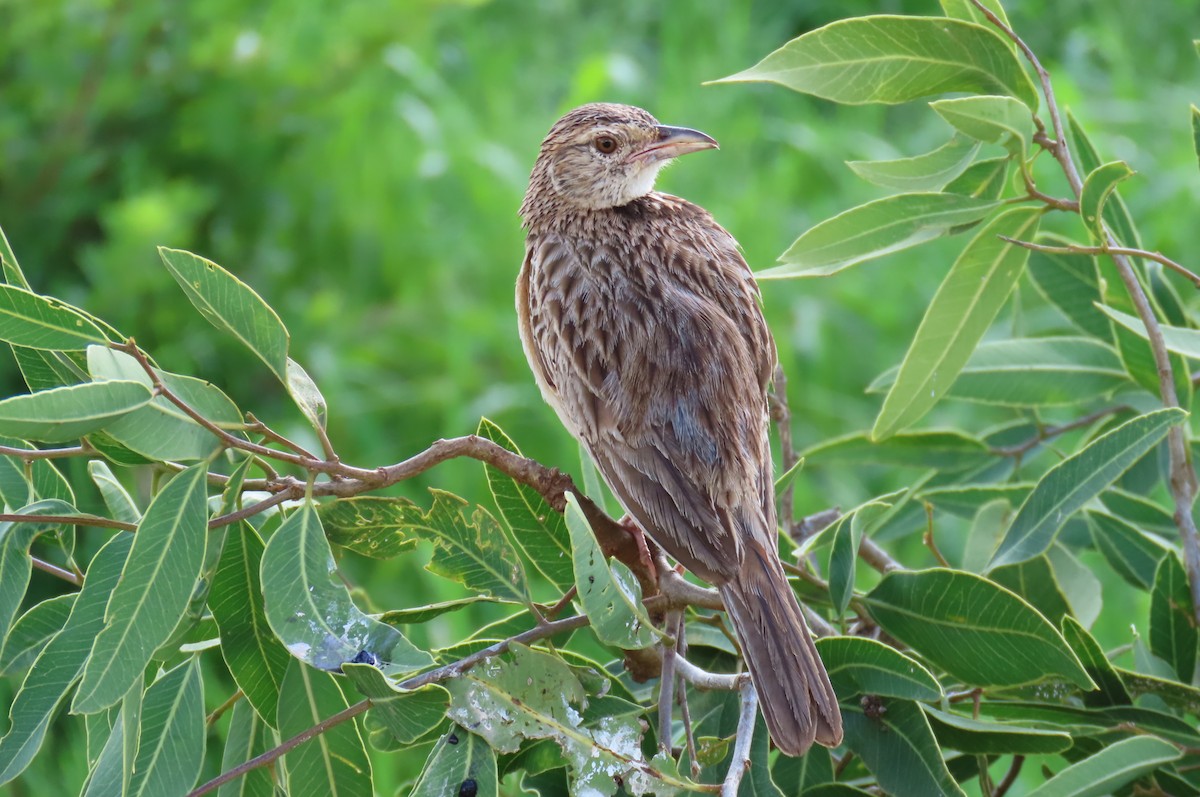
(1076, 249)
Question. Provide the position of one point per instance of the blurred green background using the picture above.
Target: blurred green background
(360, 164)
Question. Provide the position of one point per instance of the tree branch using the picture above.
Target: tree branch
(739, 762)
(1077, 249)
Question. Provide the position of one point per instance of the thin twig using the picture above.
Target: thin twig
(295, 493)
(255, 426)
(1077, 249)
(703, 679)
(739, 762)
(666, 682)
(1182, 479)
(55, 570)
(1048, 432)
(876, 557)
(432, 676)
(275, 753)
(1010, 777)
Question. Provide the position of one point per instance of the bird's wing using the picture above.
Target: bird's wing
(657, 359)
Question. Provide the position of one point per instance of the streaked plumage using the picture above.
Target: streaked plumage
(641, 322)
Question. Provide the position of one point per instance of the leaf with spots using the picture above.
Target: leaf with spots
(611, 596)
(473, 551)
(460, 765)
(371, 525)
(310, 609)
(539, 531)
(528, 694)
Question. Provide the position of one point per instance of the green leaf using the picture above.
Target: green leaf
(966, 500)
(156, 585)
(1030, 372)
(68, 413)
(847, 534)
(1072, 284)
(800, 775)
(898, 747)
(32, 631)
(254, 656)
(984, 179)
(928, 172)
(1111, 689)
(306, 394)
(974, 290)
(1140, 511)
(42, 322)
(1115, 212)
(405, 714)
(422, 614)
(1133, 554)
(1108, 770)
(1177, 339)
(310, 609)
(333, 763)
(1099, 183)
(537, 529)
(987, 527)
(117, 499)
(993, 120)
(162, 431)
(247, 738)
(460, 763)
(15, 539)
(878, 228)
(61, 661)
(1173, 634)
(611, 596)
(372, 525)
(527, 694)
(171, 734)
(1033, 580)
(1070, 484)
(979, 632)
(943, 450)
(474, 552)
(231, 305)
(891, 59)
(858, 665)
(1079, 585)
(982, 737)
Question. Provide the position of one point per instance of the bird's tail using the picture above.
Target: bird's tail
(794, 692)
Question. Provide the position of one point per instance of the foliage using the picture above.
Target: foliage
(226, 585)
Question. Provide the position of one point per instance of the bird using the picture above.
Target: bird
(643, 327)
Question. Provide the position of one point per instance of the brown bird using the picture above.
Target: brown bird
(641, 322)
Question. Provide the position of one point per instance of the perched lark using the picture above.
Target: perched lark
(641, 323)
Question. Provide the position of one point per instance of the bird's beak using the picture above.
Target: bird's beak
(675, 141)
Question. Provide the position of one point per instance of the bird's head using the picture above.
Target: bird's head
(605, 155)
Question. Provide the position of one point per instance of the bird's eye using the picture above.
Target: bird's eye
(606, 144)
